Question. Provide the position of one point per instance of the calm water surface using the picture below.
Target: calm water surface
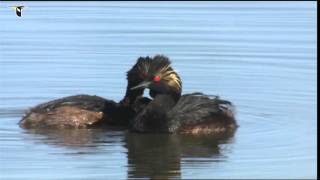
(259, 55)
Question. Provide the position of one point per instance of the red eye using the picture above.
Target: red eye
(156, 78)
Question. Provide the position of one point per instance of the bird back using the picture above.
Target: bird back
(201, 111)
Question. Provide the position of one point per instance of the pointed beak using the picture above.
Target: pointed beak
(141, 85)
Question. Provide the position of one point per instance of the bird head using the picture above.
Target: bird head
(157, 75)
(154, 73)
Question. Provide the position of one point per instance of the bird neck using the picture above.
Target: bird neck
(165, 101)
(174, 96)
(154, 117)
(131, 96)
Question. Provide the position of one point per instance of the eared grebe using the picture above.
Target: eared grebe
(170, 112)
(77, 111)
(81, 111)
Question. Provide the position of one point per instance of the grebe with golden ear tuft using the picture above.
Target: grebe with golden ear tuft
(169, 112)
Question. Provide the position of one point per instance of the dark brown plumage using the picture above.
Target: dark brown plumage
(79, 111)
(83, 111)
(167, 112)
(172, 113)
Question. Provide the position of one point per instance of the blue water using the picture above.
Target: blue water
(259, 55)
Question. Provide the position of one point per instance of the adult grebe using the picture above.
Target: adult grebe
(170, 112)
(82, 111)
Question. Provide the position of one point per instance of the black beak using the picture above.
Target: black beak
(141, 85)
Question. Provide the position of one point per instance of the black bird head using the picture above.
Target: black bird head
(157, 75)
(153, 73)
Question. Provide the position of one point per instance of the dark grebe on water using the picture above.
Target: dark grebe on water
(167, 112)
(79, 111)
(170, 112)
(82, 111)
